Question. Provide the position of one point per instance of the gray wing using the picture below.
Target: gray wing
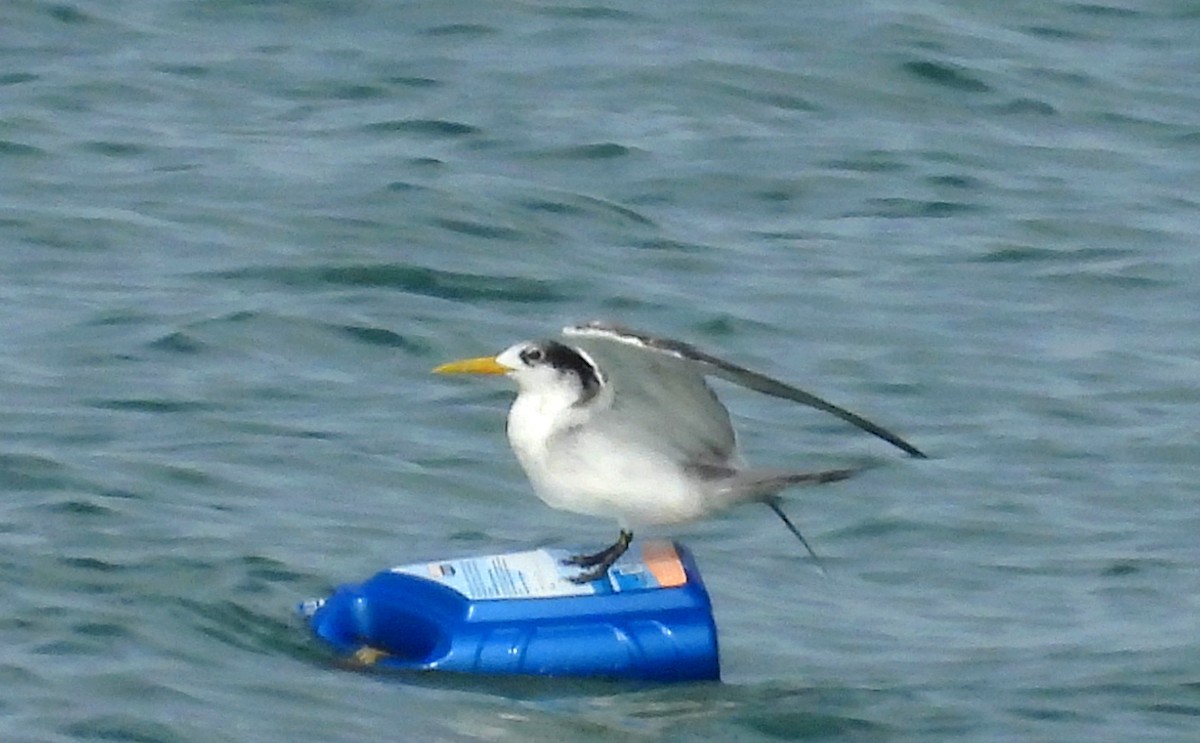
(667, 393)
(700, 364)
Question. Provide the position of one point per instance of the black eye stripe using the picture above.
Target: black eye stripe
(566, 359)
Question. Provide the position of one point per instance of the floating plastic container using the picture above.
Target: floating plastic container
(649, 618)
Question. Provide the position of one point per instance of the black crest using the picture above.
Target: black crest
(566, 359)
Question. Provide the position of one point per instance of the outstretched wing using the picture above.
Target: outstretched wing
(700, 363)
(665, 392)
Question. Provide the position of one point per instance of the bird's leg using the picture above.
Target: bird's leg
(600, 562)
(607, 555)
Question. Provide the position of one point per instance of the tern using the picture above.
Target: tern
(612, 422)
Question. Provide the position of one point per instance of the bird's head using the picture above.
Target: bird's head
(537, 366)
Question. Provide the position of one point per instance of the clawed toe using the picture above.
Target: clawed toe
(599, 562)
(587, 576)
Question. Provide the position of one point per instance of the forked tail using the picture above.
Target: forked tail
(765, 486)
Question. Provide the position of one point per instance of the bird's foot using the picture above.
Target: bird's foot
(601, 561)
(591, 574)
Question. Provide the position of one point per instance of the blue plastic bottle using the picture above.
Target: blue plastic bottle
(649, 618)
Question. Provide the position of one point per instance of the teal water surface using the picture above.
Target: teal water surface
(235, 236)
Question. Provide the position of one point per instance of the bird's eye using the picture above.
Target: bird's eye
(533, 355)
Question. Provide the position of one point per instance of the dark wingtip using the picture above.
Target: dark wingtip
(773, 503)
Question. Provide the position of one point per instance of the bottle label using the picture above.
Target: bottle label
(542, 574)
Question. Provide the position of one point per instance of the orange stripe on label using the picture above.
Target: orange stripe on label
(664, 564)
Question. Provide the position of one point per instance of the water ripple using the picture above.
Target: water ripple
(9, 148)
(597, 151)
(949, 76)
(412, 279)
(426, 127)
(467, 30)
(384, 337)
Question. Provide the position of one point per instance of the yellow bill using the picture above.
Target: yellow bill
(481, 365)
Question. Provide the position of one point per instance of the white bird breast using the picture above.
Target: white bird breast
(581, 468)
